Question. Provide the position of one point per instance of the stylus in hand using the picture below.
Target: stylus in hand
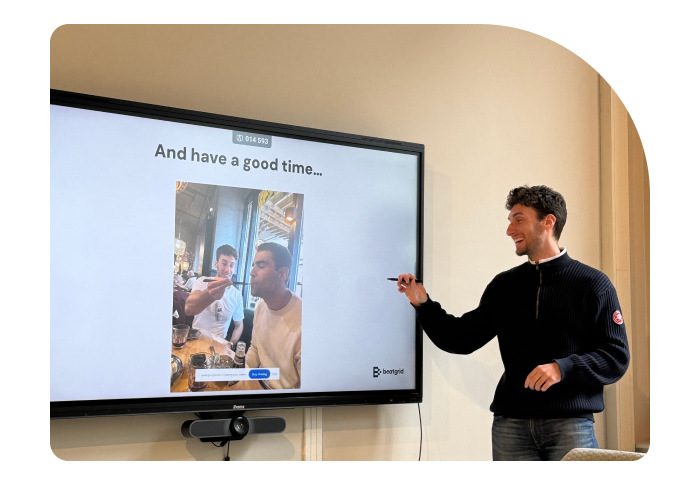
(207, 280)
(394, 279)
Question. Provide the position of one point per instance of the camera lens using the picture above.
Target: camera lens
(240, 425)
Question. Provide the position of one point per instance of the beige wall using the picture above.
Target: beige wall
(495, 108)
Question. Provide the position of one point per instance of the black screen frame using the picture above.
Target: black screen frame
(267, 401)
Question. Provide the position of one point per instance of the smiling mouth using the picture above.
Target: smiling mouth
(518, 240)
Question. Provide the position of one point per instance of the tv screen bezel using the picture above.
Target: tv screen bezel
(267, 401)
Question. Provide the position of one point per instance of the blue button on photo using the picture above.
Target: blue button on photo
(259, 374)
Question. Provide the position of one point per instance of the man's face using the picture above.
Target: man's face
(264, 278)
(527, 232)
(224, 266)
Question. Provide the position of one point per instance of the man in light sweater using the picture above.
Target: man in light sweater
(276, 341)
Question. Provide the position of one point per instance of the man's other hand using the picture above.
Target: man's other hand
(542, 377)
(217, 288)
(414, 291)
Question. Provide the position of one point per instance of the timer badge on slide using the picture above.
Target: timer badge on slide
(251, 139)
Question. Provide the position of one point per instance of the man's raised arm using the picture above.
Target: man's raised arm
(198, 300)
(458, 335)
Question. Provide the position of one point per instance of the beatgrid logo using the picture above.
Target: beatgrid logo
(376, 371)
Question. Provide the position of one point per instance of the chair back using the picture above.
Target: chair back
(247, 333)
(179, 298)
(581, 454)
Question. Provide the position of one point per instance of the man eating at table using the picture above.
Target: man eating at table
(215, 304)
(276, 341)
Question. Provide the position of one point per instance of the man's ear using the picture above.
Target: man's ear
(284, 271)
(550, 220)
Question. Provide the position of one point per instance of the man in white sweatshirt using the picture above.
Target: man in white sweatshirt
(276, 341)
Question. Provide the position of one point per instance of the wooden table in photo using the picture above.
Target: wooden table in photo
(201, 345)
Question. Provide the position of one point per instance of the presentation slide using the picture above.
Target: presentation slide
(189, 260)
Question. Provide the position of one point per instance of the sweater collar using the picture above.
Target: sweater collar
(554, 264)
(545, 260)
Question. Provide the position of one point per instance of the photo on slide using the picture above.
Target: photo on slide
(237, 289)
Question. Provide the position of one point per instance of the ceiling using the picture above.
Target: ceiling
(272, 223)
(191, 206)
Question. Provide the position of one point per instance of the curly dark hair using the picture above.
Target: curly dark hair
(227, 250)
(544, 200)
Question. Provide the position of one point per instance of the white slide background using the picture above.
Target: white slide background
(112, 230)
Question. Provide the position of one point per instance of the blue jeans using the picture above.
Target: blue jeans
(539, 439)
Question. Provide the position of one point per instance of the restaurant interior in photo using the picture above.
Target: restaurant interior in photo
(208, 216)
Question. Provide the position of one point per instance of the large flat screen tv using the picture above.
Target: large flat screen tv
(202, 262)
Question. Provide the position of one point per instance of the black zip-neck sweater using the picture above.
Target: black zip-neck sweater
(560, 311)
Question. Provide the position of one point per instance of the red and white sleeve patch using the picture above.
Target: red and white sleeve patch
(617, 317)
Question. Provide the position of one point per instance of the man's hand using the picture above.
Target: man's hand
(542, 377)
(217, 288)
(414, 291)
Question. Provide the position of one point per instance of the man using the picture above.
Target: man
(190, 282)
(276, 340)
(560, 332)
(216, 303)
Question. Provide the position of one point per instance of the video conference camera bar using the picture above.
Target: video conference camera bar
(236, 427)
